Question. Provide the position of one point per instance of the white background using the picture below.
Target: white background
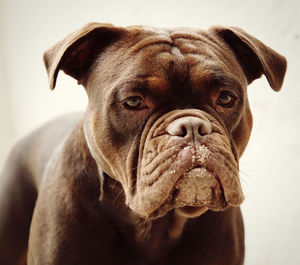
(270, 166)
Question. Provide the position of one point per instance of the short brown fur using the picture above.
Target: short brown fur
(152, 183)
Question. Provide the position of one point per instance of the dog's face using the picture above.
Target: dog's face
(168, 115)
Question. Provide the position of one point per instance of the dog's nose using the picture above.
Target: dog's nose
(189, 126)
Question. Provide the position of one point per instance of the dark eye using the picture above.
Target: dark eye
(225, 99)
(134, 102)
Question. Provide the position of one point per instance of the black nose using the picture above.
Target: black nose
(189, 126)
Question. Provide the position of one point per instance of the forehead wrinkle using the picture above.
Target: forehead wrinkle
(153, 40)
(200, 36)
(200, 44)
(200, 58)
(207, 46)
(187, 36)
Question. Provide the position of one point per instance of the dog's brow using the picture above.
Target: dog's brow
(215, 78)
(221, 79)
(128, 85)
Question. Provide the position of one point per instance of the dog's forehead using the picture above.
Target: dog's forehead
(166, 60)
(184, 47)
(181, 55)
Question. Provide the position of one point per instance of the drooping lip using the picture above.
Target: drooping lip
(187, 209)
(208, 193)
(219, 189)
(220, 192)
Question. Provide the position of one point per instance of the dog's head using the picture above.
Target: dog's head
(168, 115)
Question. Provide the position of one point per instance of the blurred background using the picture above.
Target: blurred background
(270, 172)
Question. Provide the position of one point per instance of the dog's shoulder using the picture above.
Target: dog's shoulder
(31, 154)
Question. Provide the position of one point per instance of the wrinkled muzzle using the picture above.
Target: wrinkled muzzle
(186, 163)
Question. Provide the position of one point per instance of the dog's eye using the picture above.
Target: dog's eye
(134, 102)
(225, 99)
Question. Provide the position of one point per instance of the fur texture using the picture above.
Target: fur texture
(150, 173)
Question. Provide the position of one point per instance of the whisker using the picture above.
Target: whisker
(245, 177)
(118, 195)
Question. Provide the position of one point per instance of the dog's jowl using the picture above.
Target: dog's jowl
(149, 174)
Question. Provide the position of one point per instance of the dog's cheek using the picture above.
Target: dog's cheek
(111, 136)
(241, 133)
(123, 128)
(239, 124)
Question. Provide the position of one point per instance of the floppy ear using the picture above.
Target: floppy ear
(255, 57)
(76, 53)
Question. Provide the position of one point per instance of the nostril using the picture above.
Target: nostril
(200, 130)
(176, 128)
(183, 131)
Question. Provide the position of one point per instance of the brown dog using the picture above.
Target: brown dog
(149, 174)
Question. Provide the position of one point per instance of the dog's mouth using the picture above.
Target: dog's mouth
(185, 185)
(188, 176)
(196, 191)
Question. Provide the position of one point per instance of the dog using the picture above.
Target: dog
(149, 174)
